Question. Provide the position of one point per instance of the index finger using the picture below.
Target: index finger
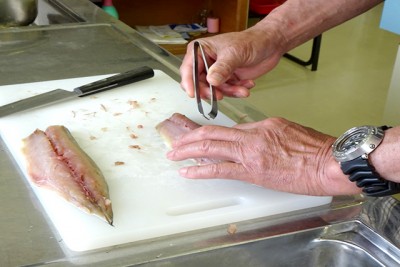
(186, 70)
(210, 132)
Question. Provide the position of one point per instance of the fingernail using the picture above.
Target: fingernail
(216, 79)
(249, 84)
(183, 171)
(169, 154)
(241, 93)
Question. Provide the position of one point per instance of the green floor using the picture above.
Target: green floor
(349, 88)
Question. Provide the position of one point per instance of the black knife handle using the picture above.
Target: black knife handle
(114, 81)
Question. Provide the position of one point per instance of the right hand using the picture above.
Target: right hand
(235, 60)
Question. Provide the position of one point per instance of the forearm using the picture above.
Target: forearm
(386, 157)
(298, 21)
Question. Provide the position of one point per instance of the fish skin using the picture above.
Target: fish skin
(56, 162)
(178, 124)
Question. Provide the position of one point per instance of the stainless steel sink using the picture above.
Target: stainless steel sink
(62, 26)
(344, 244)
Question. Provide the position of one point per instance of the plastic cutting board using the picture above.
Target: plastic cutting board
(149, 198)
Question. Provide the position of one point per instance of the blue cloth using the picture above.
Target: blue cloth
(391, 16)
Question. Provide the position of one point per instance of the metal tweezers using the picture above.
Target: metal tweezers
(214, 106)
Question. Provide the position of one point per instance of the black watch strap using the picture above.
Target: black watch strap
(365, 177)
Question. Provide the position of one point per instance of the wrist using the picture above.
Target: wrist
(333, 180)
(353, 150)
(269, 37)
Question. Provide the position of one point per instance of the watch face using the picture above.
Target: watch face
(352, 141)
(356, 142)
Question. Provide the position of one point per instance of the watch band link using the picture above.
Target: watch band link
(365, 177)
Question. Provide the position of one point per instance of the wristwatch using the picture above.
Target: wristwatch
(351, 151)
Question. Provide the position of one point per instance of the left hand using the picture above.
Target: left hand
(274, 153)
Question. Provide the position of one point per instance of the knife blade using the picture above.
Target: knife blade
(58, 95)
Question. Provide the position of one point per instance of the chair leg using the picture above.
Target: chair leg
(313, 61)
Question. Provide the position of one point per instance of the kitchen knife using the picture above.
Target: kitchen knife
(57, 95)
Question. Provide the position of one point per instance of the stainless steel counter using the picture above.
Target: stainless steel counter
(74, 38)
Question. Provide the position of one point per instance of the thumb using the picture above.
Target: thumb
(222, 69)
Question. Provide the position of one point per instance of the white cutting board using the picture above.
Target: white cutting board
(149, 198)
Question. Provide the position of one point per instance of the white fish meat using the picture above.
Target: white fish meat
(56, 162)
(175, 126)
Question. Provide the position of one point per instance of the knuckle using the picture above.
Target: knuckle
(275, 122)
(214, 169)
(202, 131)
(206, 146)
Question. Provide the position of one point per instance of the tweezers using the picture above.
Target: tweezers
(214, 106)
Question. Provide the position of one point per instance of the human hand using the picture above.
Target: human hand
(235, 60)
(274, 153)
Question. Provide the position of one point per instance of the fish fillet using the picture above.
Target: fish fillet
(56, 162)
(175, 126)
